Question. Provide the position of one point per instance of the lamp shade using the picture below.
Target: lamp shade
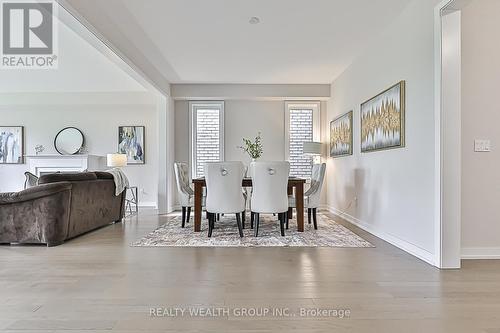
(311, 148)
(116, 160)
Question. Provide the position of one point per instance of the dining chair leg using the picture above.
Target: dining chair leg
(218, 217)
(309, 210)
(251, 219)
(257, 218)
(183, 216)
(211, 218)
(290, 213)
(287, 219)
(207, 214)
(243, 218)
(188, 214)
(314, 219)
(282, 217)
(238, 221)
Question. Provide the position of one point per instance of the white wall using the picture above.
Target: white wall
(241, 119)
(167, 196)
(480, 117)
(394, 189)
(42, 118)
(172, 188)
(451, 150)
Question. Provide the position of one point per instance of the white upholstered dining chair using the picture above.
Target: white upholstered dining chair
(224, 191)
(312, 195)
(269, 191)
(184, 191)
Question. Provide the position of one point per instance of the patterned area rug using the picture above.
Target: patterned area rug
(225, 234)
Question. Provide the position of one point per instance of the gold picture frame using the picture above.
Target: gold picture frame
(341, 138)
(382, 119)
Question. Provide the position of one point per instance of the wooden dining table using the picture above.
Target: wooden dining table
(293, 182)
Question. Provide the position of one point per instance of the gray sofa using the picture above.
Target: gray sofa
(61, 207)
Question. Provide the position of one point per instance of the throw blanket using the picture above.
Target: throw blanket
(121, 181)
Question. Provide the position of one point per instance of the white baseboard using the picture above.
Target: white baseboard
(148, 204)
(481, 253)
(412, 249)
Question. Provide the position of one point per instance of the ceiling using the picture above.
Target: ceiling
(81, 68)
(211, 41)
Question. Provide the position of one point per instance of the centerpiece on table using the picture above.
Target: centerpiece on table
(253, 148)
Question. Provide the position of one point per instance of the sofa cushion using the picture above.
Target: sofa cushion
(67, 177)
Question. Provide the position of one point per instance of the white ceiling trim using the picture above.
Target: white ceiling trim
(251, 91)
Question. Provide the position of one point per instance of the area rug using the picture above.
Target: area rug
(225, 234)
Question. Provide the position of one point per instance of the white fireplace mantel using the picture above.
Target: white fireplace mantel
(43, 164)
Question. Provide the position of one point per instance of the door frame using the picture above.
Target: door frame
(447, 207)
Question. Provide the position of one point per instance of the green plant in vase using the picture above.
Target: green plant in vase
(253, 148)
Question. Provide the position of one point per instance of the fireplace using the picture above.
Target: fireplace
(45, 164)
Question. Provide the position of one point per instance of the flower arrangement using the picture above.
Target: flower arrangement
(253, 148)
(39, 149)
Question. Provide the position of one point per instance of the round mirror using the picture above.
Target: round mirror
(69, 141)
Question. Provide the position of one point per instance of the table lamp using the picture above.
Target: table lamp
(313, 149)
(116, 160)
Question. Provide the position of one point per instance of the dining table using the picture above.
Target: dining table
(293, 183)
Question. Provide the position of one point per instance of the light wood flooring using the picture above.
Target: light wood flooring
(98, 283)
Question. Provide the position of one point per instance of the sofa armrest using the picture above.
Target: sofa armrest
(35, 192)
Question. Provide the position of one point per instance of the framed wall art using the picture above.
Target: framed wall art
(11, 144)
(131, 143)
(341, 135)
(383, 120)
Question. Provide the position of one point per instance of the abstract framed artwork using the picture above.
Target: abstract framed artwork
(131, 143)
(383, 120)
(11, 144)
(341, 135)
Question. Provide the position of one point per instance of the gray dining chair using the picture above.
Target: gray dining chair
(184, 191)
(313, 194)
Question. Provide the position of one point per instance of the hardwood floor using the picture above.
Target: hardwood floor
(98, 283)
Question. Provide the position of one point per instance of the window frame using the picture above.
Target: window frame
(301, 105)
(193, 108)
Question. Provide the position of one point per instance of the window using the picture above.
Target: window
(302, 124)
(207, 135)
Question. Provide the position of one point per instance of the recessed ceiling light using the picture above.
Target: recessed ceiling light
(254, 20)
